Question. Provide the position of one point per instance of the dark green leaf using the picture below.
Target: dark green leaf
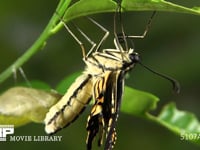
(183, 123)
(66, 82)
(159, 5)
(36, 84)
(86, 7)
(137, 102)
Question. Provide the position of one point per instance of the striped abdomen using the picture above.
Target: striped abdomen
(70, 105)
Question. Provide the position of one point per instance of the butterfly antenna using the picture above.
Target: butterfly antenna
(175, 83)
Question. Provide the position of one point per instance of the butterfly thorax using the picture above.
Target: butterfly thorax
(111, 60)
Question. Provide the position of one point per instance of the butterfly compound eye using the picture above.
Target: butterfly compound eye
(134, 57)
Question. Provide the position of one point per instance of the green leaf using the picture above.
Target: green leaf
(21, 105)
(183, 123)
(36, 84)
(137, 102)
(158, 5)
(66, 82)
(88, 7)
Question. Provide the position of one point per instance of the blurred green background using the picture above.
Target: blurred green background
(172, 46)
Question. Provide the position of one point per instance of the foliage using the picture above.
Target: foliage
(135, 102)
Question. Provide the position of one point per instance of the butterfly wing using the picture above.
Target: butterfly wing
(108, 90)
(117, 86)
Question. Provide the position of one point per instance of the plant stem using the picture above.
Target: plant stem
(39, 43)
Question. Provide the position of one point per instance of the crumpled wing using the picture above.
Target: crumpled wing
(108, 90)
